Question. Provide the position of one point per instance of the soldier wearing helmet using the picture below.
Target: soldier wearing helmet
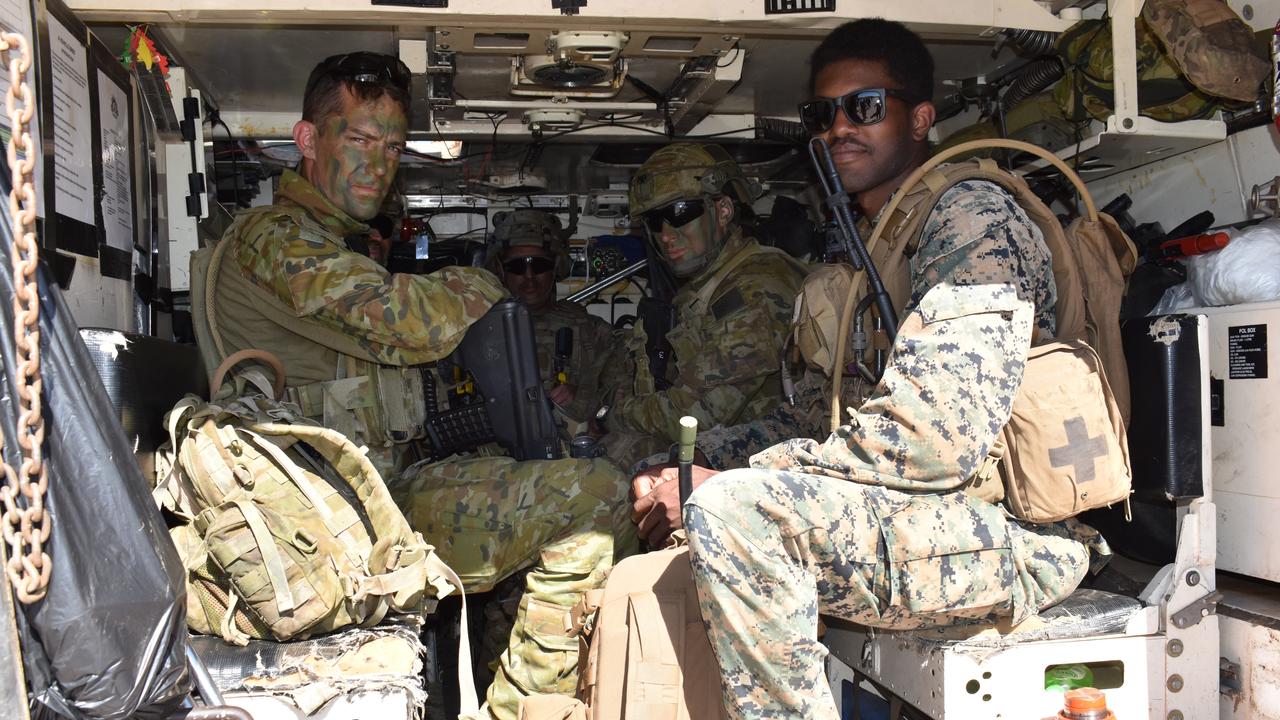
(350, 335)
(530, 255)
(732, 311)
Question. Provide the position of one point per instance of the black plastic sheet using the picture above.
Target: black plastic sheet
(108, 641)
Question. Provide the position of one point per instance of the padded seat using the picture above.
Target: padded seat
(1085, 613)
(310, 675)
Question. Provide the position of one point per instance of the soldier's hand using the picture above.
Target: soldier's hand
(656, 509)
(562, 395)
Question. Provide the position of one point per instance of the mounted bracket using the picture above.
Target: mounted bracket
(702, 84)
(1124, 58)
(1196, 611)
(1265, 198)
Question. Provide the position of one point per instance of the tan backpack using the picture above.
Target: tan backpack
(645, 653)
(289, 530)
(1091, 261)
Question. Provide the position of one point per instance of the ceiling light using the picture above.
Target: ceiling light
(447, 149)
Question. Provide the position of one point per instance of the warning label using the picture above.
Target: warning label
(1247, 352)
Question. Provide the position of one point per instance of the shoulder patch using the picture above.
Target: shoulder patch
(727, 304)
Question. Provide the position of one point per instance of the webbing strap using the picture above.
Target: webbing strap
(209, 430)
(582, 617)
(411, 576)
(469, 706)
(230, 632)
(654, 677)
(270, 555)
(336, 523)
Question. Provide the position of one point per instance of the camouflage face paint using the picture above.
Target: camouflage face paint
(686, 248)
(357, 154)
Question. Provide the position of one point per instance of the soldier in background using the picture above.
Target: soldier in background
(854, 526)
(348, 333)
(731, 313)
(531, 256)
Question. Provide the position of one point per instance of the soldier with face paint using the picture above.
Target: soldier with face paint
(348, 332)
(871, 525)
(732, 310)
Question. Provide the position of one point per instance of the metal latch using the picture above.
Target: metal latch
(1230, 680)
(1192, 614)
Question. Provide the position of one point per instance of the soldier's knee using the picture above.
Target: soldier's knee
(602, 478)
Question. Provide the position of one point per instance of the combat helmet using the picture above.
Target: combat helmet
(528, 226)
(687, 170)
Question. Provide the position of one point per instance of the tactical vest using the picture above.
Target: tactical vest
(588, 353)
(708, 303)
(332, 378)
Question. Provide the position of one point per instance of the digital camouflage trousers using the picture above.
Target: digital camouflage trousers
(568, 520)
(773, 550)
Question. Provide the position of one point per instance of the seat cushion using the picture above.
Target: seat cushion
(1085, 613)
(310, 673)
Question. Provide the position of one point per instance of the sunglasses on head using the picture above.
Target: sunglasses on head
(372, 68)
(539, 265)
(677, 214)
(860, 107)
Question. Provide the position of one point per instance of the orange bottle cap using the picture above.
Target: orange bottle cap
(1085, 700)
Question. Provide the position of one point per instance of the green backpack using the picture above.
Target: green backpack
(288, 530)
(1087, 90)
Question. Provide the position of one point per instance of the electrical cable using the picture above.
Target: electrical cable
(214, 116)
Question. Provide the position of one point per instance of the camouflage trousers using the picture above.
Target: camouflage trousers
(773, 550)
(627, 449)
(490, 517)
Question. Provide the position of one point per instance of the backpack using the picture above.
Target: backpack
(1211, 45)
(287, 529)
(1091, 260)
(644, 650)
(1053, 470)
(1088, 88)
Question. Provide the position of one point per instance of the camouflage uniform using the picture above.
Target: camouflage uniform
(491, 517)
(318, 306)
(592, 338)
(731, 446)
(591, 335)
(295, 251)
(726, 352)
(865, 526)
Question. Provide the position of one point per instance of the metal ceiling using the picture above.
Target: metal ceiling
(255, 74)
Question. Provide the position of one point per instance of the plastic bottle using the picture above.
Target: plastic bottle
(1068, 677)
(1084, 704)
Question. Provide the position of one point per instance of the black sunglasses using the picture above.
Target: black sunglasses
(372, 68)
(861, 107)
(677, 214)
(539, 265)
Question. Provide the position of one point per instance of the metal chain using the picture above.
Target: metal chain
(26, 529)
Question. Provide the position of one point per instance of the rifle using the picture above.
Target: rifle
(658, 318)
(838, 200)
(497, 391)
